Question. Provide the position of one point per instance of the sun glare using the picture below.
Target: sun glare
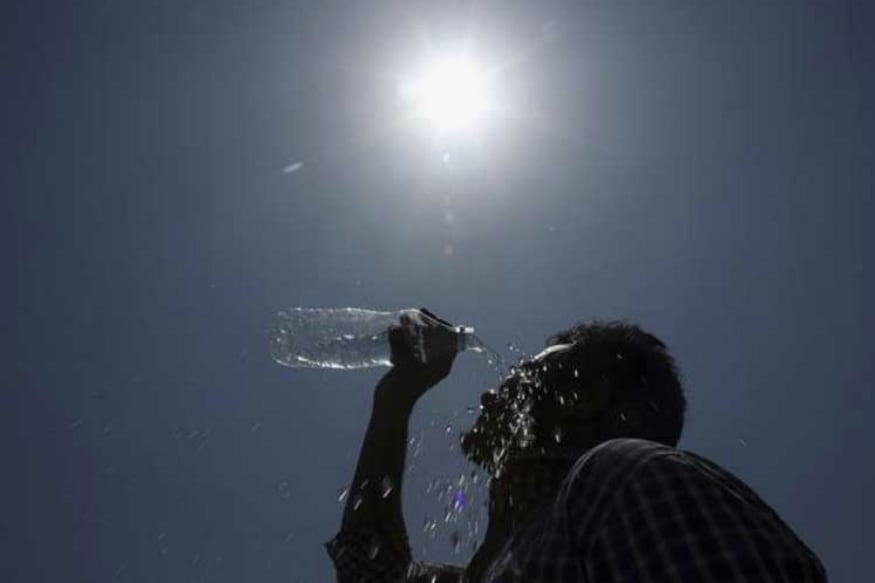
(452, 95)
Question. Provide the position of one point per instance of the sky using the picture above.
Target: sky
(174, 173)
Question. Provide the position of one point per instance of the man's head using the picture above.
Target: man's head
(594, 382)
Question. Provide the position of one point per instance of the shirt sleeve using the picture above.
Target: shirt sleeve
(677, 517)
(378, 554)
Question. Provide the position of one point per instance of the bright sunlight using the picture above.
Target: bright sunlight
(452, 95)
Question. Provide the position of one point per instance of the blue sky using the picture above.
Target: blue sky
(703, 169)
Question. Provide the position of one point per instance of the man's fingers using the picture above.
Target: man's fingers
(396, 338)
(435, 317)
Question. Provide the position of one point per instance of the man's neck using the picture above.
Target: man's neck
(527, 483)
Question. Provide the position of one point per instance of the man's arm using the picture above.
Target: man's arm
(372, 543)
(375, 493)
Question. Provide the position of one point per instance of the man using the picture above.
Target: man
(586, 483)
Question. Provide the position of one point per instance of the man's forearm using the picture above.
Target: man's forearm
(375, 493)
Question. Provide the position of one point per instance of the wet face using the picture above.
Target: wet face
(520, 414)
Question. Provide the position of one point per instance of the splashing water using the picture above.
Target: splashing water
(462, 507)
(386, 487)
(493, 358)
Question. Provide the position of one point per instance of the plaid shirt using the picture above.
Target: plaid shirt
(627, 510)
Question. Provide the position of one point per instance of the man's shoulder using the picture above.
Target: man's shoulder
(612, 463)
(596, 477)
(600, 472)
(623, 451)
(672, 491)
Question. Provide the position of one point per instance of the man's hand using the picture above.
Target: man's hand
(424, 347)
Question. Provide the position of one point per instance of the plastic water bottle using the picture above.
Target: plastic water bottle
(348, 338)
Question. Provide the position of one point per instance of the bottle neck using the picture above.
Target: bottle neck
(466, 337)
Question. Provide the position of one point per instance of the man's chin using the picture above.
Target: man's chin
(487, 450)
(475, 450)
(467, 443)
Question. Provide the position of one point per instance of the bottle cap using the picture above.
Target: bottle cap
(464, 333)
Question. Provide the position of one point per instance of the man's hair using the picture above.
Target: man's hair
(638, 369)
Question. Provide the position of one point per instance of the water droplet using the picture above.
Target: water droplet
(557, 435)
(622, 417)
(386, 487)
(375, 550)
(512, 347)
(357, 501)
(742, 442)
(459, 500)
(293, 167)
(430, 527)
(619, 356)
(449, 428)
(341, 495)
(576, 373)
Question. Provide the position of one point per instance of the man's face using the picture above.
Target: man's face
(510, 415)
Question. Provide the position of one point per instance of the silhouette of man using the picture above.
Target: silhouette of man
(586, 483)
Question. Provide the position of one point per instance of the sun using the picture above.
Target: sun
(452, 94)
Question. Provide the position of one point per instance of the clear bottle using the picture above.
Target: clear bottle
(349, 338)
